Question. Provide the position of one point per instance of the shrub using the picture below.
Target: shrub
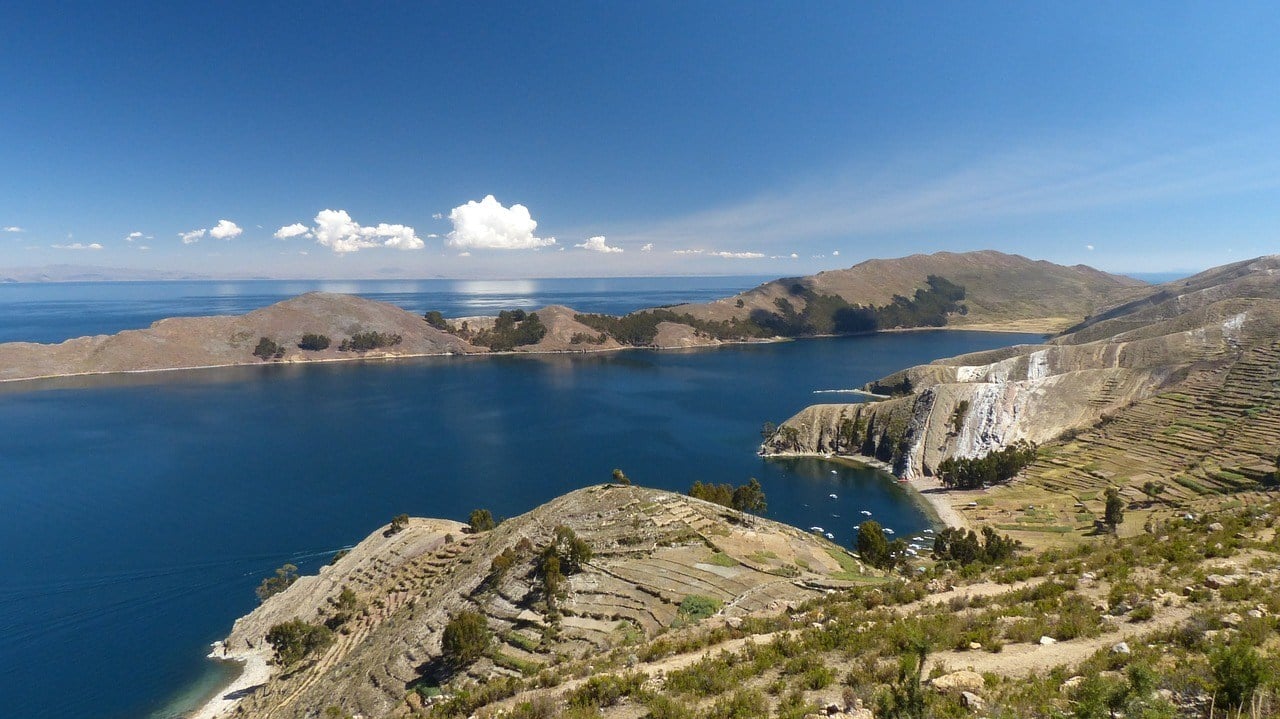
(695, 607)
(365, 341)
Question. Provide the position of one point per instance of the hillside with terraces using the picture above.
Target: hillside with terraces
(651, 552)
(1171, 398)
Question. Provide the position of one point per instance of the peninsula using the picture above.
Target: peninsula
(977, 290)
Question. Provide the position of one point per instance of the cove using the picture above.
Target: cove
(141, 511)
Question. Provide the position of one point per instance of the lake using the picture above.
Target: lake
(141, 511)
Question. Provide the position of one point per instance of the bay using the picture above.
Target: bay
(141, 511)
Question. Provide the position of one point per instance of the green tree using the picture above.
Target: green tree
(767, 430)
(466, 638)
(1113, 514)
(749, 497)
(313, 342)
(620, 477)
(437, 320)
(481, 520)
(295, 640)
(285, 575)
(905, 697)
(1153, 490)
(872, 546)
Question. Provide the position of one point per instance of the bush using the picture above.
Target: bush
(466, 638)
(512, 329)
(398, 523)
(696, 607)
(1238, 671)
(313, 342)
(437, 320)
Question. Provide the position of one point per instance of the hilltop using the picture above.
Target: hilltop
(1001, 291)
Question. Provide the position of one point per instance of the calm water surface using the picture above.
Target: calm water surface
(140, 512)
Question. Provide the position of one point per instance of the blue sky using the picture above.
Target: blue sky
(733, 138)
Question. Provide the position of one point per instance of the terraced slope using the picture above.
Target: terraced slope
(1178, 388)
(652, 550)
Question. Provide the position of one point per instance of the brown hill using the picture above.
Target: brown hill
(1002, 291)
(189, 342)
(652, 551)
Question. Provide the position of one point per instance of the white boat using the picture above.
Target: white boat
(829, 535)
(833, 471)
(888, 531)
(866, 513)
(816, 530)
(833, 496)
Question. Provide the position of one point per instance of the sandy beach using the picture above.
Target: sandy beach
(256, 671)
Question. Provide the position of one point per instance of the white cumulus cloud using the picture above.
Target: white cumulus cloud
(835, 253)
(1089, 247)
(13, 228)
(336, 230)
(598, 244)
(192, 236)
(133, 236)
(795, 256)
(739, 255)
(648, 247)
(77, 246)
(488, 225)
(225, 230)
(297, 229)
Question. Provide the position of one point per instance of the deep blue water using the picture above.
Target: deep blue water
(53, 312)
(141, 511)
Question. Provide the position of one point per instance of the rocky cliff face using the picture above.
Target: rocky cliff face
(970, 405)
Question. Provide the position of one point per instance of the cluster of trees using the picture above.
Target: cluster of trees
(268, 349)
(285, 576)
(640, 328)
(295, 640)
(747, 497)
(831, 314)
(365, 341)
(313, 342)
(998, 466)
(580, 338)
(928, 307)
(514, 328)
(965, 547)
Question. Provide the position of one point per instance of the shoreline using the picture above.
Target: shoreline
(255, 671)
(511, 353)
(926, 492)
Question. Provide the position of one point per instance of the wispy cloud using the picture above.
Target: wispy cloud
(1031, 180)
(77, 246)
(13, 228)
(192, 236)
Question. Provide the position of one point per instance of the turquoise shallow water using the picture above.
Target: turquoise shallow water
(141, 511)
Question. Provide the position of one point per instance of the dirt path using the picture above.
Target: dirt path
(1020, 660)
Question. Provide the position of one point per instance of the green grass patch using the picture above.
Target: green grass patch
(1050, 528)
(1192, 485)
(519, 665)
(763, 556)
(720, 559)
(517, 639)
